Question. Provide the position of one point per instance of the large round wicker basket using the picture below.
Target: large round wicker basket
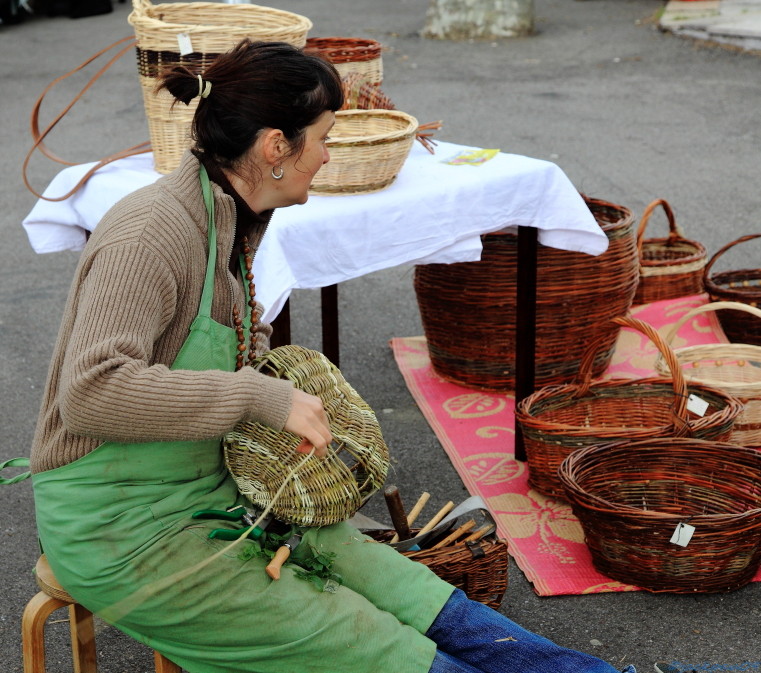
(367, 150)
(351, 55)
(634, 497)
(211, 28)
(318, 492)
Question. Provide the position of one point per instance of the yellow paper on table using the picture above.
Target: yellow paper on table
(471, 157)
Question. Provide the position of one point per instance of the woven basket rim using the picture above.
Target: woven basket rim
(408, 126)
(698, 253)
(345, 49)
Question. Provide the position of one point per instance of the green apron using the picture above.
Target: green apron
(117, 530)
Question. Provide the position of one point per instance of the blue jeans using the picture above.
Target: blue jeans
(473, 638)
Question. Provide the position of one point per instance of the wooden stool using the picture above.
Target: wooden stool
(51, 597)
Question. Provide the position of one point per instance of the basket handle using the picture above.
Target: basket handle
(711, 306)
(584, 377)
(675, 233)
(39, 136)
(141, 6)
(721, 251)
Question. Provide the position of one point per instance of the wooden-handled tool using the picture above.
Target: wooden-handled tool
(414, 513)
(452, 537)
(281, 556)
(396, 510)
(436, 518)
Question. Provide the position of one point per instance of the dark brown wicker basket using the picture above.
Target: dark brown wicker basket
(351, 55)
(558, 420)
(668, 267)
(574, 292)
(743, 285)
(630, 496)
(479, 569)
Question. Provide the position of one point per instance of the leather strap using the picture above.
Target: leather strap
(38, 136)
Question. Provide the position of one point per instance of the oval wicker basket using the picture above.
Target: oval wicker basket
(558, 420)
(632, 496)
(734, 368)
(212, 28)
(351, 55)
(367, 150)
(575, 292)
(741, 285)
(320, 492)
(668, 267)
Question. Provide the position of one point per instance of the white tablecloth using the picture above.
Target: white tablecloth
(433, 212)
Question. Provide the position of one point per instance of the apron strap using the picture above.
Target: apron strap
(208, 286)
(15, 462)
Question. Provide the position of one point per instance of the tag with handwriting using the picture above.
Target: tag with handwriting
(682, 534)
(184, 43)
(697, 405)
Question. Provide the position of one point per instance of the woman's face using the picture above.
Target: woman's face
(299, 170)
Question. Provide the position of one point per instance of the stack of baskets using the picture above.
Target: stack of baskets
(668, 267)
(734, 368)
(739, 285)
(351, 55)
(558, 420)
(574, 293)
(163, 32)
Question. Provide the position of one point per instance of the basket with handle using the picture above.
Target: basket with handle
(317, 491)
(669, 267)
(735, 368)
(574, 293)
(741, 285)
(193, 34)
(558, 420)
(637, 499)
(367, 150)
(351, 55)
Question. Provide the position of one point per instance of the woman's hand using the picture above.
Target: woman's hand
(308, 420)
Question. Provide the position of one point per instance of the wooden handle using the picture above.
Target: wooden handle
(483, 530)
(436, 518)
(414, 513)
(449, 539)
(280, 557)
(396, 510)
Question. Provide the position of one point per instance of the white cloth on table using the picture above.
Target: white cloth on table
(433, 213)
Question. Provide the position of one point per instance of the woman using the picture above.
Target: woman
(146, 378)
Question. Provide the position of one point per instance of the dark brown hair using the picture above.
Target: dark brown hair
(254, 86)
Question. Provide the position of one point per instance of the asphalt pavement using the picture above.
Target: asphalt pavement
(630, 108)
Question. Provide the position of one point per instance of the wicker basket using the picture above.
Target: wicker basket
(574, 292)
(319, 492)
(558, 420)
(735, 368)
(213, 28)
(367, 150)
(742, 285)
(631, 496)
(668, 267)
(351, 55)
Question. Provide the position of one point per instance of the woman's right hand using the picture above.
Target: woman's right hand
(309, 421)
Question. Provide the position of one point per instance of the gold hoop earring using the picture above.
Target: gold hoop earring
(277, 176)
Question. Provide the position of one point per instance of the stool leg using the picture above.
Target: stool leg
(163, 665)
(82, 639)
(33, 621)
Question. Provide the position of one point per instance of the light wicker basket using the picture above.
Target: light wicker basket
(735, 368)
(669, 267)
(351, 55)
(318, 492)
(367, 150)
(212, 28)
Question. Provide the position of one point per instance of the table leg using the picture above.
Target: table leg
(525, 324)
(330, 347)
(281, 327)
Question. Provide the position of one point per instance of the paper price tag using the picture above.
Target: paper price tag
(184, 43)
(697, 405)
(682, 534)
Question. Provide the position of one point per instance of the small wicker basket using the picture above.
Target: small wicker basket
(633, 497)
(735, 368)
(212, 28)
(668, 267)
(351, 55)
(741, 285)
(367, 150)
(558, 420)
(318, 492)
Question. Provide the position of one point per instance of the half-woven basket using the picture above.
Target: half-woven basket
(205, 29)
(558, 420)
(634, 497)
(323, 491)
(734, 368)
(741, 285)
(669, 267)
(367, 150)
(351, 55)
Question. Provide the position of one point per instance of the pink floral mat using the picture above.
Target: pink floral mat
(476, 430)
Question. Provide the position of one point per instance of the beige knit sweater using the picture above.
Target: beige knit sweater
(134, 295)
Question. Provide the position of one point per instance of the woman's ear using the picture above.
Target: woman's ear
(274, 146)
